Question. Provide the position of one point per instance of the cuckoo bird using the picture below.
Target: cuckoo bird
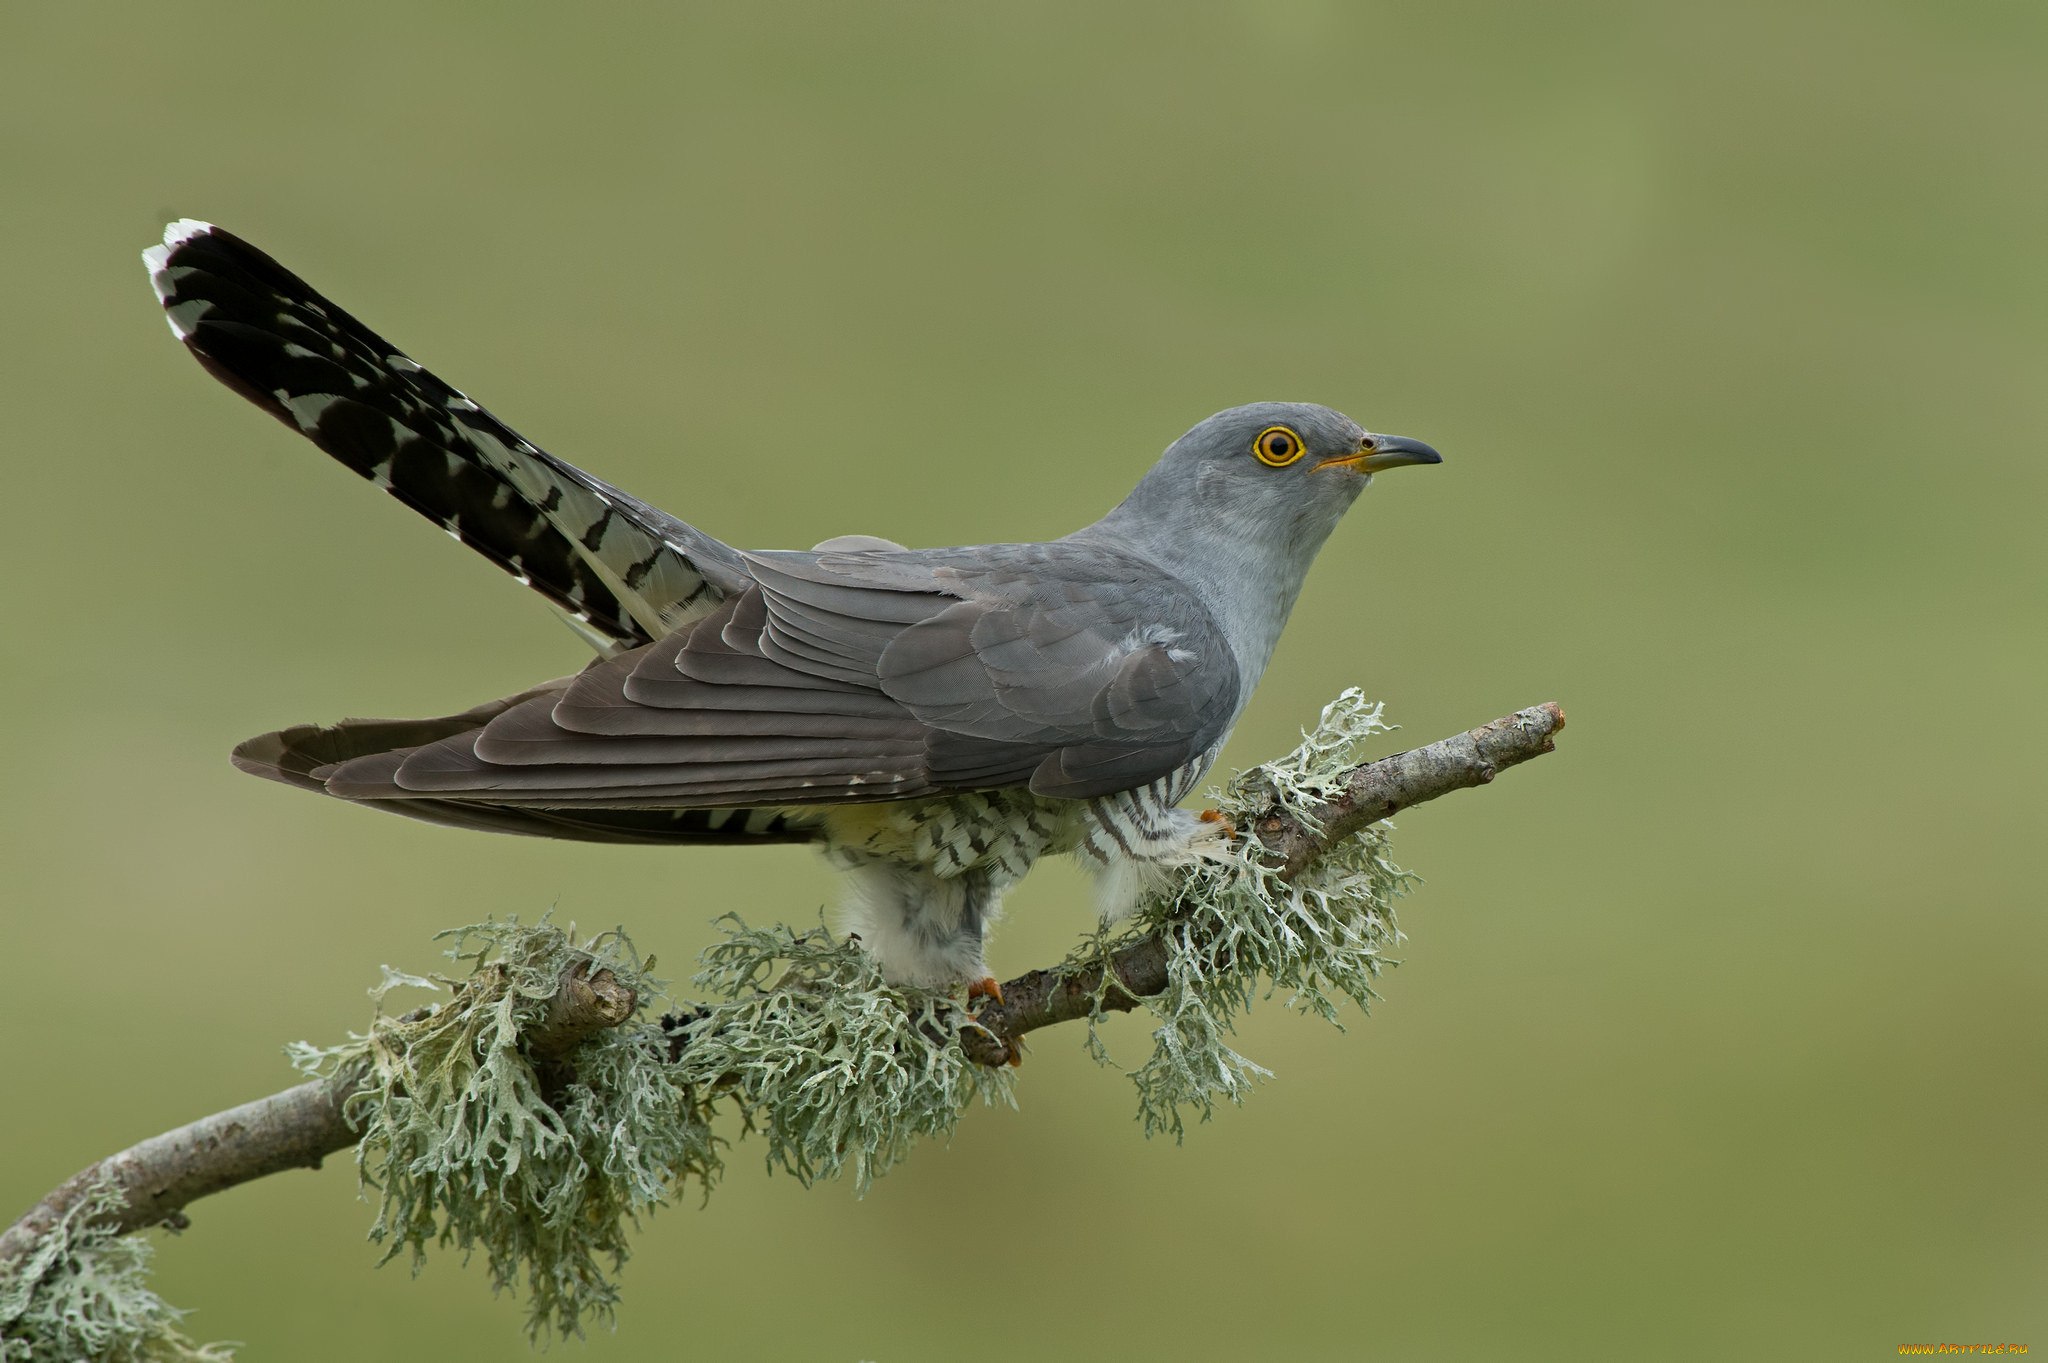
(934, 719)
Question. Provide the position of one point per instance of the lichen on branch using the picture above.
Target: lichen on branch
(1235, 928)
(82, 1292)
(468, 1146)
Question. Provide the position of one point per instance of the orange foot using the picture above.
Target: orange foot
(987, 988)
(1217, 816)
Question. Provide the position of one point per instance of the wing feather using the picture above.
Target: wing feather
(837, 679)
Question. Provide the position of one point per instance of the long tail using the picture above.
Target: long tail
(623, 572)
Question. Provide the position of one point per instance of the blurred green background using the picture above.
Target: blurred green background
(1719, 1032)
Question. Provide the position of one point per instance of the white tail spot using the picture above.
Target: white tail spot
(185, 316)
(306, 409)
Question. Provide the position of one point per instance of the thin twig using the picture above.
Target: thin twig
(301, 1126)
(584, 1005)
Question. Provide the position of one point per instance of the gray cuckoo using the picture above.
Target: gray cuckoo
(934, 719)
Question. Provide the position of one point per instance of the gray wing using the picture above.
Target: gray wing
(622, 572)
(842, 677)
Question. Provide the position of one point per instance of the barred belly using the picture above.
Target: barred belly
(926, 877)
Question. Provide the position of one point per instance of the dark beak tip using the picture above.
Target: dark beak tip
(1395, 451)
(1416, 450)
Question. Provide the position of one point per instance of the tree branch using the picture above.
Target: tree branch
(302, 1125)
(1372, 791)
(295, 1129)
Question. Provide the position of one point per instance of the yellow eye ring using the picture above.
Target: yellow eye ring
(1277, 447)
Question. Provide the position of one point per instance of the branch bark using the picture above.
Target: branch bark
(294, 1129)
(301, 1126)
(584, 1005)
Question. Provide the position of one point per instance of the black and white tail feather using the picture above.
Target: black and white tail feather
(621, 572)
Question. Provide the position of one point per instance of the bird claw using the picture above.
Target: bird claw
(987, 988)
(1222, 827)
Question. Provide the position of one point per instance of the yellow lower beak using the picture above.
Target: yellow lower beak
(1384, 452)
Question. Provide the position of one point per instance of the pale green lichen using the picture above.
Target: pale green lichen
(82, 1292)
(465, 1148)
(836, 1068)
(1230, 923)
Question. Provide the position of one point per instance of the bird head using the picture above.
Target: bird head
(1279, 472)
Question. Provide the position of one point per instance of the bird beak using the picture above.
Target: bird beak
(1377, 452)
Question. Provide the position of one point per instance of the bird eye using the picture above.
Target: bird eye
(1277, 447)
